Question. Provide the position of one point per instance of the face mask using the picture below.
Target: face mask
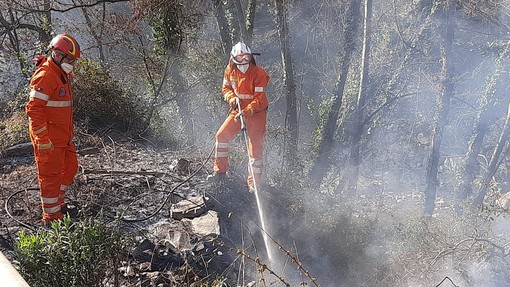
(68, 68)
(243, 68)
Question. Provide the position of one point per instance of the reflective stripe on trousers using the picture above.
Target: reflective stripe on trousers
(256, 167)
(221, 149)
(255, 128)
(63, 189)
(56, 169)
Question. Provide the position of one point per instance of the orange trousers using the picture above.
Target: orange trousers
(56, 169)
(255, 129)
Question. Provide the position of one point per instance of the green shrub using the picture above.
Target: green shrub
(13, 130)
(100, 101)
(85, 253)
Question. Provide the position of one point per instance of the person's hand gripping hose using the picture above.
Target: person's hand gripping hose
(234, 103)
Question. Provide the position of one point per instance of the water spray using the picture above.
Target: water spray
(256, 191)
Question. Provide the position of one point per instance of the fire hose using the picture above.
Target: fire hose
(240, 116)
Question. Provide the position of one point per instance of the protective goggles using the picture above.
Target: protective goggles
(70, 60)
(240, 58)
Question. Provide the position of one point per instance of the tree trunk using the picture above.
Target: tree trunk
(180, 89)
(495, 159)
(234, 22)
(44, 35)
(97, 34)
(354, 159)
(155, 85)
(325, 151)
(240, 20)
(291, 138)
(250, 19)
(221, 19)
(484, 117)
(448, 89)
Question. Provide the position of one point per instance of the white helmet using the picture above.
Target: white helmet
(238, 51)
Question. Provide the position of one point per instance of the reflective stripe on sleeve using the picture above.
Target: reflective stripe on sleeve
(39, 95)
(227, 95)
(44, 146)
(39, 130)
(245, 96)
(259, 89)
(63, 187)
(58, 104)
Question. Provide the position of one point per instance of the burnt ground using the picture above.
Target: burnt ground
(338, 241)
(140, 185)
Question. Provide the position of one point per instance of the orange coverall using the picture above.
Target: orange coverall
(50, 114)
(250, 89)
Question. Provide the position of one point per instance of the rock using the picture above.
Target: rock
(206, 224)
(503, 200)
(183, 166)
(177, 240)
(189, 208)
(172, 235)
(158, 257)
(139, 251)
(212, 256)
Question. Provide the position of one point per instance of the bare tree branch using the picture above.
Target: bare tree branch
(72, 7)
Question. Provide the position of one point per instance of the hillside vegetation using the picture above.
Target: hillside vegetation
(386, 152)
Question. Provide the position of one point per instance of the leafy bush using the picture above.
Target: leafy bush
(101, 102)
(85, 254)
(13, 121)
(13, 130)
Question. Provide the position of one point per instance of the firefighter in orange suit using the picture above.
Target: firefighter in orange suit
(50, 114)
(246, 83)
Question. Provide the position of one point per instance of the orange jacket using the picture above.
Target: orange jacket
(50, 108)
(250, 87)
